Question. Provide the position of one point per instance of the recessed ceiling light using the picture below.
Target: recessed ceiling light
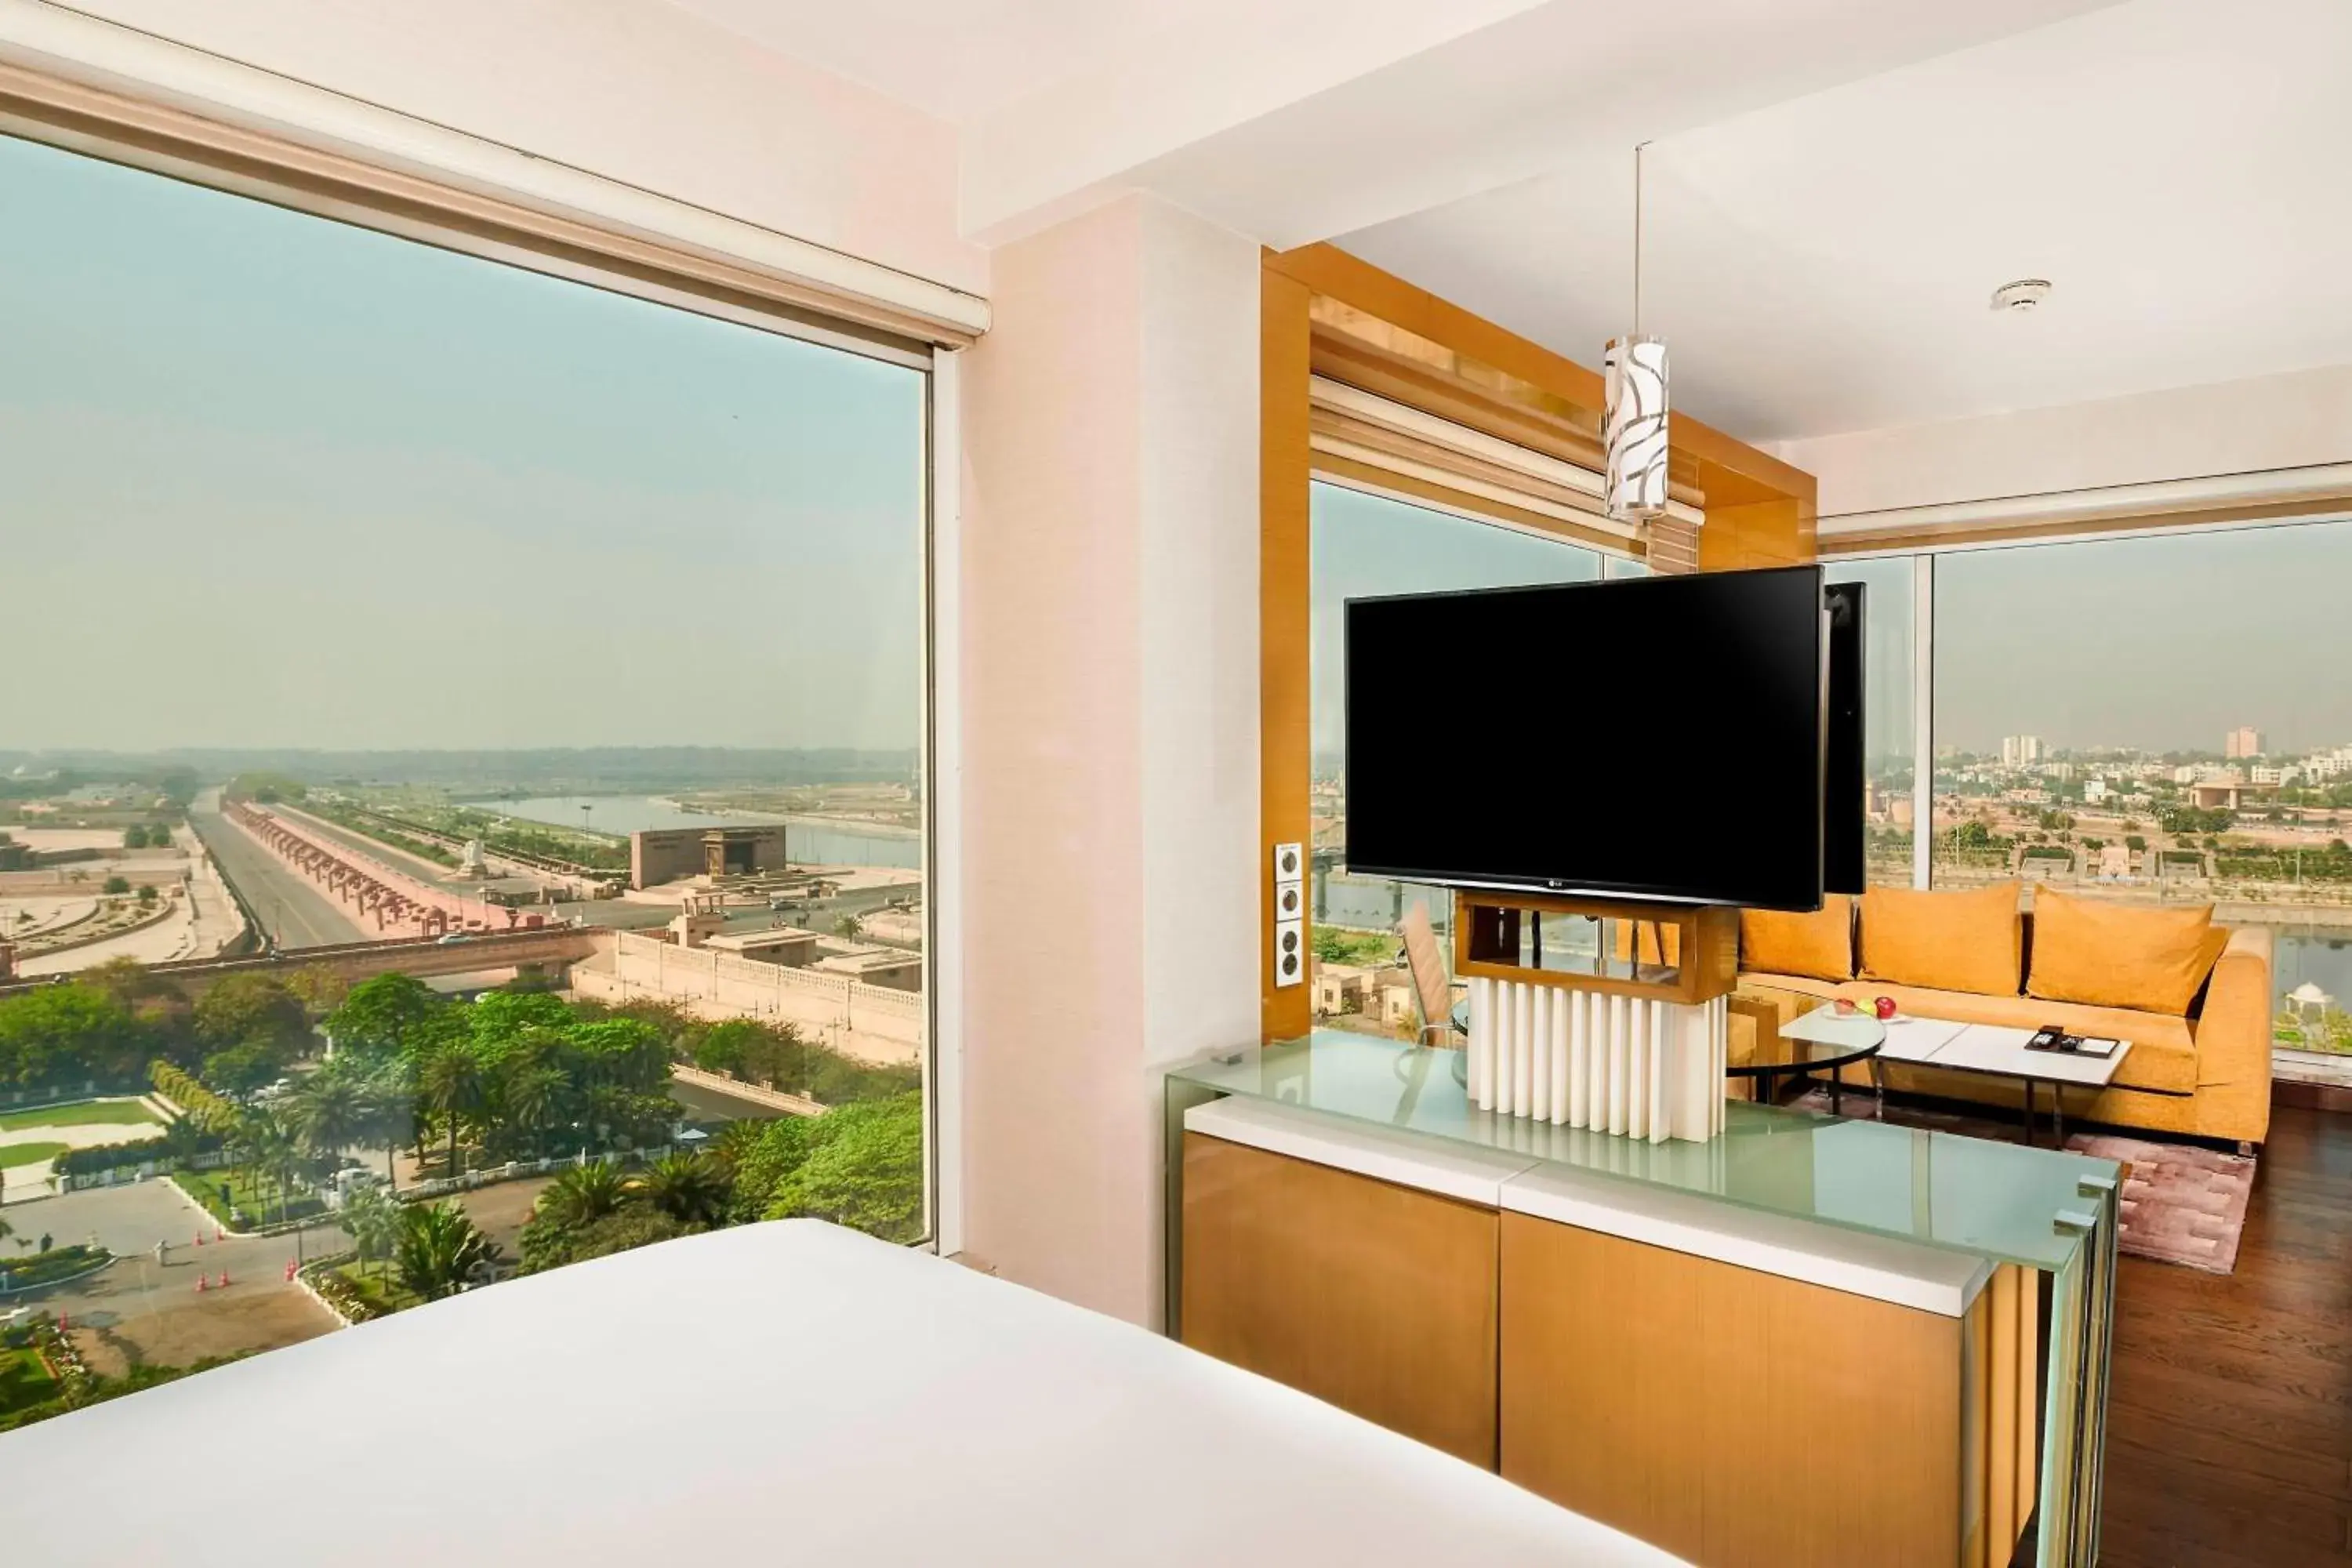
(2022, 294)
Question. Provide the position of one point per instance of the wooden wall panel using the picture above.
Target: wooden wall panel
(1729, 1417)
(1379, 1298)
(1285, 691)
(1758, 534)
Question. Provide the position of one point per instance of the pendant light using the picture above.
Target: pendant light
(1634, 371)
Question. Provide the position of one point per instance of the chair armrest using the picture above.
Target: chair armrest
(2233, 1034)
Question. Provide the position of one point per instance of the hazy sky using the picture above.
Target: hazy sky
(267, 480)
(2161, 643)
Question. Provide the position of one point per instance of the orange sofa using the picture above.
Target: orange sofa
(2205, 1073)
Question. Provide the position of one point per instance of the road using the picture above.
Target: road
(290, 908)
(135, 1311)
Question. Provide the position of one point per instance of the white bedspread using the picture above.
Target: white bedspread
(778, 1393)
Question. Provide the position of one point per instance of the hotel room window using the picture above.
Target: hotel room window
(1362, 544)
(460, 797)
(2162, 720)
(1887, 710)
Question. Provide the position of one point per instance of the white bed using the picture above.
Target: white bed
(784, 1392)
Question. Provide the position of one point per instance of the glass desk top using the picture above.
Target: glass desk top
(1993, 1200)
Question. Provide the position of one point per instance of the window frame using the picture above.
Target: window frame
(160, 139)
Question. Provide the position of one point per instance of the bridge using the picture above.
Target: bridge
(353, 961)
(397, 902)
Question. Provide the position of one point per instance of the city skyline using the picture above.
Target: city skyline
(2160, 644)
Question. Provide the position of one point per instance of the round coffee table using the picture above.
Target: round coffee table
(1816, 1042)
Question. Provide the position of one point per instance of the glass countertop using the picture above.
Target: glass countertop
(1990, 1199)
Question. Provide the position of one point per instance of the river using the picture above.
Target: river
(813, 840)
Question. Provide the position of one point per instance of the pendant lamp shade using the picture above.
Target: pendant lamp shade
(1633, 369)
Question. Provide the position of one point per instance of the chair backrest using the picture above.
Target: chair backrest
(1432, 987)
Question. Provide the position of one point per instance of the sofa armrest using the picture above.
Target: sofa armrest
(2233, 1032)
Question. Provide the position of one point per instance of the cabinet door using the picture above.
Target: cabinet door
(1379, 1298)
(1732, 1417)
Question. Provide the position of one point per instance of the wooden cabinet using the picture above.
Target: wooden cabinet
(1378, 1298)
(1738, 1418)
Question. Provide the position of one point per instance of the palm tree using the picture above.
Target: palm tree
(373, 1217)
(267, 1147)
(449, 1084)
(387, 1116)
(438, 1250)
(329, 1113)
(688, 1188)
(583, 1193)
(529, 1096)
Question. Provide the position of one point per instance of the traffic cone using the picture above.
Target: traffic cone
(216, 1233)
(201, 1285)
(224, 1283)
(200, 1238)
(289, 1271)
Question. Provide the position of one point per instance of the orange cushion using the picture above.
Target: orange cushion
(1820, 944)
(2117, 955)
(1945, 942)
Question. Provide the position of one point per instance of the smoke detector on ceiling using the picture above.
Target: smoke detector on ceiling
(2022, 294)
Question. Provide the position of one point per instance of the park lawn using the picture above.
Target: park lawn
(28, 1154)
(24, 1380)
(256, 1197)
(1363, 948)
(88, 1114)
(381, 1285)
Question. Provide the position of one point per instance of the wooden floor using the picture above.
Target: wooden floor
(2230, 1424)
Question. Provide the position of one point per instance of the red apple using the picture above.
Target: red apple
(1845, 1006)
(1883, 1007)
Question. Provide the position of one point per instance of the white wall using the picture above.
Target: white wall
(640, 93)
(2231, 427)
(1110, 718)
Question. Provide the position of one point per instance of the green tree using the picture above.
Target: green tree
(146, 893)
(264, 1145)
(135, 836)
(865, 1169)
(692, 1189)
(449, 1087)
(849, 926)
(631, 1225)
(378, 1017)
(115, 885)
(57, 1034)
(329, 1113)
(439, 1250)
(580, 1194)
(372, 1215)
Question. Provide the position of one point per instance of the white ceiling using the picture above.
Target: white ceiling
(956, 59)
(1836, 186)
(1824, 265)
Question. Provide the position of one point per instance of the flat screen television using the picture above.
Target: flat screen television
(1666, 738)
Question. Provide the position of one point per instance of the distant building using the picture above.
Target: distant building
(2242, 742)
(2094, 790)
(669, 854)
(2020, 751)
(1339, 989)
(2274, 774)
(2188, 775)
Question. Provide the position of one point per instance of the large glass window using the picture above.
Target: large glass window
(2162, 720)
(1887, 713)
(1361, 545)
(460, 806)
